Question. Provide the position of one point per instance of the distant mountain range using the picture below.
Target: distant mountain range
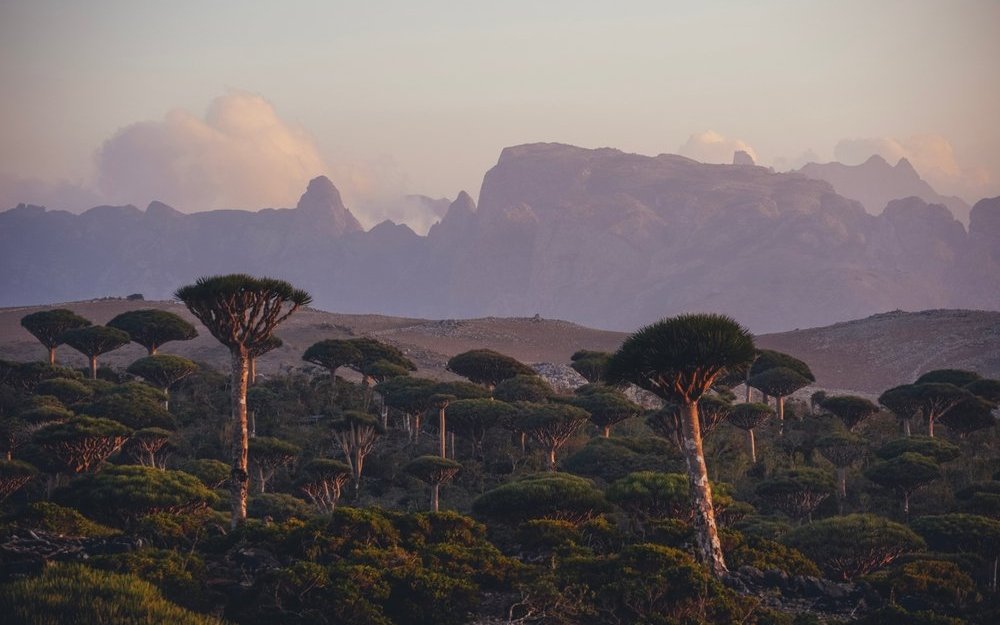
(598, 237)
(875, 183)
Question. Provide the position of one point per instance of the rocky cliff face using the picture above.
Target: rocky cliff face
(600, 237)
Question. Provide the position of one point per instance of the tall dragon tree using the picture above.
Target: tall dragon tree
(48, 327)
(151, 328)
(241, 312)
(679, 359)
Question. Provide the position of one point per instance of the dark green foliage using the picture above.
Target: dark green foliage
(144, 446)
(936, 448)
(523, 388)
(68, 391)
(121, 494)
(48, 326)
(151, 328)
(550, 424)
(212, 473)
(769, 359)
(178, 575)
(461, 390)
(842, 449)
(94, 340)
(958, 377)
(904, 401)
(332, 354)
(681, 353)
(904, 474)
(432, 469)
(221, 304)
(850, 409)
(73, 593)
(162, 370)
(895, 615)
(796, 492)
(82, 443)
(136, 406)
(940, 584)
(268, 454)
(649, 494)
(487, 367)
(968, 533)
(985, 389)
(541, 496)
(613, 458)
(969, 416)
(591, 365)
(25, 376)
(850, 546)
(778, 381)
(608, 408)
(474, 417)
(278, 507)
(50, 517)
(764, 554)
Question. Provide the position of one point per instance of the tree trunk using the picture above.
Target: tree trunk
(930, 426)
(906, 506)
(253, 423)
(152, 350)
(52, 356)
(435, 497)
(239, 479)
(781, 415)
(753, 446)
(93, 369)
(451, 436)
(552, 459)
(841, 488)
(606, 432)
(706, 532)
(906, 428)
(252, 371)
(166, 399)
(442, 433)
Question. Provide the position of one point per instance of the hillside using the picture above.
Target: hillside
(866, 355)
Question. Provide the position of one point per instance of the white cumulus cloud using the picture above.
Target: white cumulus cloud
(712, 147)
(241, 154)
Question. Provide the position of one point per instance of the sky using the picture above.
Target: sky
(237, 104)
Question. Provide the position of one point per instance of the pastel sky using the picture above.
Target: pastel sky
(235, 104)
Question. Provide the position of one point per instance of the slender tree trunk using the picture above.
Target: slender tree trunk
(435, 494)
(52, 356)
(252, 371)
(906, 506)
(442, 434)
(906, 428)
(930, 426)
(753, 446)
(93, 369)
(606, 432)
(781, 415)
(451, 438)
(252, 416)
(166, 399)
(152, 350)
(239, 479)
(706, 532)
(841, 488)
(552, 459)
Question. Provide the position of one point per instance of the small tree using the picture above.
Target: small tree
(936, 399)
(591, 365)
(473, 418)
(851, 546)
(546, 495)
(487, 367)
(963, 533)
(48, 326)
(82, 443)
(652, 495)
(69, 392)
(409, 395)
(969, 416)
(332, 354)
(842, 449)
(145, 444)
(92, 341)
(151, 328)
(936, 448)
(522, 387)
(747, 417)
(904, 474)
(241, 312)
(322, 481)
(797, 492)
(904, 402)
(267, 455)
(608, 407)
(551, 425)
(356, 432)
(779, 382)
(269, 345)
(434, 471)
(850, 409)
(163, 371)
(957, 377)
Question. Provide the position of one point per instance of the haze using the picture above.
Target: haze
(231, 105)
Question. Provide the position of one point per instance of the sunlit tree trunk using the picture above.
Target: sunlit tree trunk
(753, 446)
(435, 496)
(239, 478)
(93, 369)
(706, 531)
(52, 356)
(442, 434)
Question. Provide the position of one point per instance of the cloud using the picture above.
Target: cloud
(932, 156)
(711, 147)
(784, 163)
(240, 155)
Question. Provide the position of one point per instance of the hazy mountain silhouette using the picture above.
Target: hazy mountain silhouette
(875, 183)
(598, 237)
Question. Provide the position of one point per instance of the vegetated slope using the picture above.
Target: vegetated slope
(867, 355)
(597, 237)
